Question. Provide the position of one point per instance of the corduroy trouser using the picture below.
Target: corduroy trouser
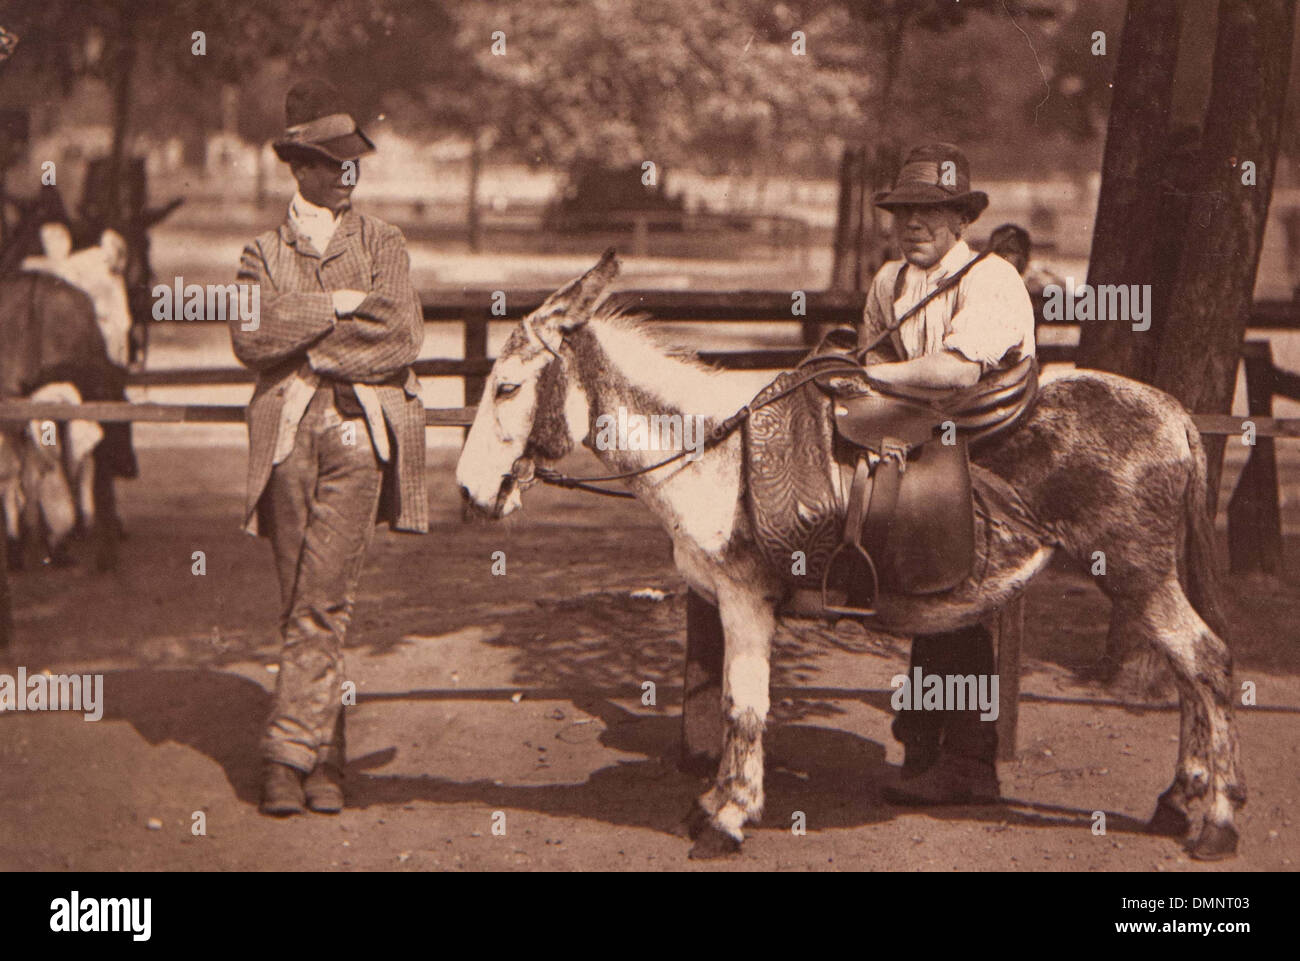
(318, 510)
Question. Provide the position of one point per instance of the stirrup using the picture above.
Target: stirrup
(860, 559)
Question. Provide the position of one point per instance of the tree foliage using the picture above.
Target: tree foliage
(717, 86)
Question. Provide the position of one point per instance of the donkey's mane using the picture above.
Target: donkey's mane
(665, 370)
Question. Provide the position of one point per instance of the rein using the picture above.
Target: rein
(524, 474)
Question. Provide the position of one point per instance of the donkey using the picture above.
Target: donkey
(1105, 463)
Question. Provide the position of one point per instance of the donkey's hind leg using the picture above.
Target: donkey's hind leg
(736, 797)
(1208, 763)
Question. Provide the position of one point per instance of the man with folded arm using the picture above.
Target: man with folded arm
(336, 428)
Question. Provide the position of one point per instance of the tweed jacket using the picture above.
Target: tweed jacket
(376, 344)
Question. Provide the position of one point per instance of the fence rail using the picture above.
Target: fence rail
(475, 305)
(18, 411)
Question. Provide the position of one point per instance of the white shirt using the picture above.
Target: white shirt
(987, 318)
(316, 224)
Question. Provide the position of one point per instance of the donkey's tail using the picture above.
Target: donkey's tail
(1200, 565)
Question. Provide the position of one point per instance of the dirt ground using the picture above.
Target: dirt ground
(517, 698)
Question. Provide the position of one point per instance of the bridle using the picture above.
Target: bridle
(525, 472)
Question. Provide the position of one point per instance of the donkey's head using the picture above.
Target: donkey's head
(530, 409)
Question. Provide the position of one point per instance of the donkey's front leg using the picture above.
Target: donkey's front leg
(736, 797)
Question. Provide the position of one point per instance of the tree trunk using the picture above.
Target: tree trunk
(1211, 299)
(1125, 237)
(121, 79)
(847, 219)
(475, 228)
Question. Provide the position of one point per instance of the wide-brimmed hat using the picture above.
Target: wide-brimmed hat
(316, 123)
(937, 173)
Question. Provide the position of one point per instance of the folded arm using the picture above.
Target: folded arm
(287, 322)
(384, 332)
(993, 317)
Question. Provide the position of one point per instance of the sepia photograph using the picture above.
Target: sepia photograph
(726, 436)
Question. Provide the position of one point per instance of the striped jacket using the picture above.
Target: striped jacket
(375, 345)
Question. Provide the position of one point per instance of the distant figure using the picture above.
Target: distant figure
(97, 271)
(1011, 243)
(43, 243)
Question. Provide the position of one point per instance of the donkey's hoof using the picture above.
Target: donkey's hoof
(1217, 842)
(712, 843)
(1168, 821)
(693, 825)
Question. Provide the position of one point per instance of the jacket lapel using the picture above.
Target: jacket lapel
(349, 225)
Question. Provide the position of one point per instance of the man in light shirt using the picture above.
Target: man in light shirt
(981, 323)
(336, 428)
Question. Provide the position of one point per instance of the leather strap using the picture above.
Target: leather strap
(942, 287)
(857, 501)
(884, 499)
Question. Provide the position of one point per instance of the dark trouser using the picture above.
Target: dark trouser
(319, 511)
(968, 650)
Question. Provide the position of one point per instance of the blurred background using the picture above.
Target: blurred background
(725, 146)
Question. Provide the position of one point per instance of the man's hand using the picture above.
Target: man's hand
(348, 300)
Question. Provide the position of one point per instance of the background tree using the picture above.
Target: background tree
(1211, 297)
(1159, 170)
(1130, 202)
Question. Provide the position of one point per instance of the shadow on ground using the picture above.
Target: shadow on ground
(833, 772)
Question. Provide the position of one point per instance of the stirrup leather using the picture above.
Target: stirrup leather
(851, 583)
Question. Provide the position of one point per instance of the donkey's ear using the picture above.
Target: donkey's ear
(571, 306)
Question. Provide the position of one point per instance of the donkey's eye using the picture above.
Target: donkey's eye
(506, 390)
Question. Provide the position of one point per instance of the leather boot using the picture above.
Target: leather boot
(919, 757)
(324, 785)
(952, 779)
(281, 790)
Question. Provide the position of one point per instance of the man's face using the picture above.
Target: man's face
(925, 232)
(321, 180)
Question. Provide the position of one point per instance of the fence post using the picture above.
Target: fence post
(640, 235)
(476, 335)
(1010, 630)
(1254, 514)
